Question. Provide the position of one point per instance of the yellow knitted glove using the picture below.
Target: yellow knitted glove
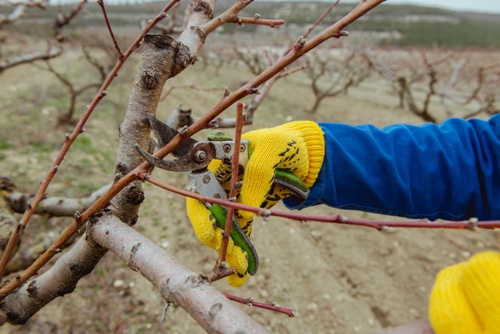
(297, 147)
(466, 297)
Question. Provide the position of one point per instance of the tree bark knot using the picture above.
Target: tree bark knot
(194, 281)
(133, 251)
(179, 52)
(214, 310)
(204, 8)
(149, 80)
(32, 289)
(200, 32)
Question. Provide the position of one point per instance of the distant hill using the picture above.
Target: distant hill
(389, 24)
(403, 25)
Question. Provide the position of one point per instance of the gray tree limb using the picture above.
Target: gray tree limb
(58, 281)
(54, 206)
(207, 305)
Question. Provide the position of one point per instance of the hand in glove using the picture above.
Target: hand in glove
(296, 147)
(466, 296)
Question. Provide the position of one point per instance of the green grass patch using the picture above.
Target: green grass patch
(84, 144)
(5, 145)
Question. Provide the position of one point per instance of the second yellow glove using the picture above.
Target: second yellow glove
(465, 298)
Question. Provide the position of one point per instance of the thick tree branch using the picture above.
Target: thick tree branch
(59, 280)
(208, 306)
(54, 206)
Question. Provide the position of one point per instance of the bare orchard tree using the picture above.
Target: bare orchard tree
(109, 219)
(332, 72)
(426, 81)
(18, 9)
(11, 58)
(409, 72)
(472, 84)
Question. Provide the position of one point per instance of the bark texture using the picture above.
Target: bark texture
(207, 305)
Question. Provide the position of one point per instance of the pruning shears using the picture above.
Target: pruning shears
(195, 156)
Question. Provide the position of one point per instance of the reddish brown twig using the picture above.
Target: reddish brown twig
(291, 71)
(235, 164)
(63, 20)
(79, 128)
(106, 19)
(381, 225)
(249, 301)
(268, 56)
(321, 18)
(259, 21)
(219, 273)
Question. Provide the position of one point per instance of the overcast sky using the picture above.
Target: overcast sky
(486, 6)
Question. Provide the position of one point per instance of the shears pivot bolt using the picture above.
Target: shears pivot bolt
(200, 156)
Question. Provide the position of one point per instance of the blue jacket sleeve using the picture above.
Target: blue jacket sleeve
(450, 171)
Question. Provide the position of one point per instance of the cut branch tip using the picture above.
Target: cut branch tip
(300, 42)
(183, 131)
(343, 219)
(77, 216)
(213, 124)
(118, 176)
(220, 272)
(472, 224)
(253, 90)
(142, 175)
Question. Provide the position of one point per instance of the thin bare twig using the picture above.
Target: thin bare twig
(292, 71)
(112, 35)
(251, 302)
(381, 225)
(235, 167)
(29, 58)
(321, 18)
(258, 21)
(64, 20)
